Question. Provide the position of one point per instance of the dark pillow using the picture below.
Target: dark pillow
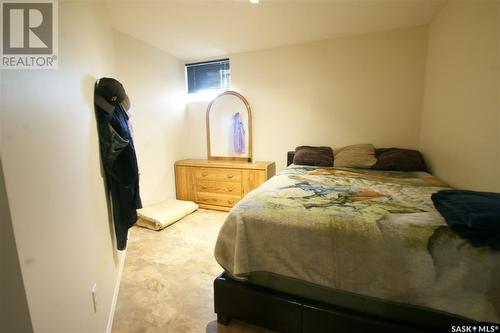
(317, 156)
(397, 159)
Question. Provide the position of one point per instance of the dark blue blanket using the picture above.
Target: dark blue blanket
(473, 215)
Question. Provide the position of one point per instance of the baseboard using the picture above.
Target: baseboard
(121, 264)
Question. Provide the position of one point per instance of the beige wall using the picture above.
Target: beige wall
(50, 155)
(364, 88)
(461, 119)
(155, 84)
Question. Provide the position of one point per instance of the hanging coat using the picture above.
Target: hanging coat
(238, 134)
(118, 158)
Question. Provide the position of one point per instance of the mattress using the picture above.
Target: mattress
(369, 233)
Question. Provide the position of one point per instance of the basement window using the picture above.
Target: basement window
(208, 76)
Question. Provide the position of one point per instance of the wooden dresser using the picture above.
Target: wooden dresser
(219, 185)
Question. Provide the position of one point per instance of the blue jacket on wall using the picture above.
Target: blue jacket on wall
(117, 155)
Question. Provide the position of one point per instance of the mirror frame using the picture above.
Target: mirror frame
(249, 110)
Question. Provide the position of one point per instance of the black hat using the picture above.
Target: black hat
(108, 93)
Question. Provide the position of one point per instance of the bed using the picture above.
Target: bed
(318, 249)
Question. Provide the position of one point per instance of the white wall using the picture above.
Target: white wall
(461, 119)
(360, 89)
(155, 83)
(54, 184)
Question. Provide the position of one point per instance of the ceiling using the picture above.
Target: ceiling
(192, 30)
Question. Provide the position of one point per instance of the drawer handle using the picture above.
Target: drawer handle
(204, 174)
(230, 190)
(230, 176)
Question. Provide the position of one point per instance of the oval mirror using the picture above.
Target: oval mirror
(229, 128)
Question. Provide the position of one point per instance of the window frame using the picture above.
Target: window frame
(222, 86)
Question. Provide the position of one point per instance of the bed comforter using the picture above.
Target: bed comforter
(374, 233)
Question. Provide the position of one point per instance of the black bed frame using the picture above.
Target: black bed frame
(289, 157)
(288, 313)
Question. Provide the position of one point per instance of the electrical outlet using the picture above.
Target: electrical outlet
(94, 296)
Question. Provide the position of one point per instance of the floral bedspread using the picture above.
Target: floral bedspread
(369, 232)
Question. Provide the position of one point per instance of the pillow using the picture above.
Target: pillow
(355, 156)
(397, 159)
(318, 156)
(163, 214)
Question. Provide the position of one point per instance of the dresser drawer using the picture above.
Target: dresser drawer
(212, 186)
(217, 199)
(218, 174)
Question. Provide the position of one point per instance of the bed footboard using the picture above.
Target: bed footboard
(286, 313)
